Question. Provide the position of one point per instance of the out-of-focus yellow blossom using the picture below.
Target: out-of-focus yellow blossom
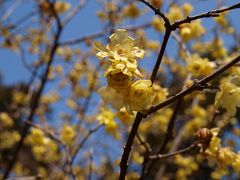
(137, 158)
(158, 24)
(71, 104)
(221, 19)
(160, 94)
(5, 120)
(132, 176)
(226, 156)
(121, 53)
(8, 139)
(192, 30)
(217, 48)
(152, 124)
(224, 23)
(124, 116)
(106, 117)
(157, 3)
(219, 173)
(175, 13)
(229, 95)
(236, 163)
(199, 66)
(185, 170)
(19, 169)
(131, 11)
(153, 45)
(141, 96)
(19, 97)
(43, 148)
(59, 7)
(67, 134)
(199, 119)
(187, 8)
(111, 96)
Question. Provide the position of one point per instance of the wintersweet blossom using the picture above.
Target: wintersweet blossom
(141, 95)
(121, 54)
(229, 95)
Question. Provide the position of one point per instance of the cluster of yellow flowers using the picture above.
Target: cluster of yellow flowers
(199, 66)
(229, 95)
(43, 148)
(59, 7)
(120, 60)
(223, 156)
(192, 30)
(185, 169)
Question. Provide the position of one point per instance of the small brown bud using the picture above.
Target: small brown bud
(204, 134)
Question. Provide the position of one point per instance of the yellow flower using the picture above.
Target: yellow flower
(192, 30)
(229, 95)
(122, 53)
(111, 96)
(106, 117)
(124, 116)
(199, 66)
(5, 120)
(226, 156)
(141, 96)
(175, 13)
(131, 11)
(161, 94)
(187, 8)
(67, 134)
(158, 24)
(236, 163)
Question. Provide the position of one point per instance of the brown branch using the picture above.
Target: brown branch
(214, 13)
(81, 144)
(157, 11)
(160, 55)
(163, 156)
(36, 99)
(198, 85)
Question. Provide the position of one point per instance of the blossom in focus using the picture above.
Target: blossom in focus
(141, 96)
(121, 54)
(229, 95)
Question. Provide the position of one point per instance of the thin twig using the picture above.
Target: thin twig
(163, 156)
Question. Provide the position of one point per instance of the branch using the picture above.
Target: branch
(163, 156)
(198, 85)
(157, 11)
(214, 13)
(81, 144)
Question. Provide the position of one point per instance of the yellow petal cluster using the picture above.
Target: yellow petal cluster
(121, 68)
(67, 134)
(141, 95)
(199, 66)
(121, 54)
(192, 30)
(229, 95)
